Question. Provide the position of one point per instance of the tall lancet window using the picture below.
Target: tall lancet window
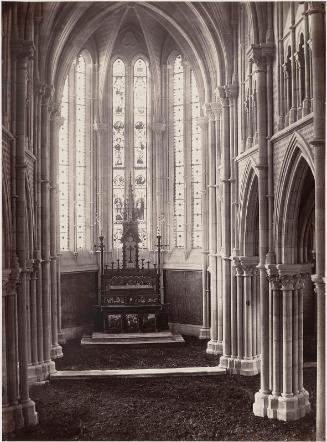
(129, 147)
(196, 165)
(140, 144)
(63, 178)
(80, 146)
(73, 158)
(179, 187)
(186, 150)
(118, 148)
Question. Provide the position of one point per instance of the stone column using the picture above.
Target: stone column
(217, 109)
(34, 325)
(259, 55)
(226, 223)
(213, 345)
(61, 335)
(12, 416)
(205, 329)
(288, 400)
(244, 359)
(55, 123)
(24, 51)
(307, 79)
(31, 325)
(317, 26)
(45, 226)
(275, 295)
(159, 129)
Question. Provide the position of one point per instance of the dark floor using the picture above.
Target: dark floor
(192, 354)
(183, 408)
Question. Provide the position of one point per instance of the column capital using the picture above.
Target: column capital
(316, 8)
(216, 108)
(23, 49)
(259, 55)
(273, 277)
(11, 281)
(159, 127)
(54, 109)
(208, 111)
(237, 264)
(47, 91)
(231, 90)
(249, 264)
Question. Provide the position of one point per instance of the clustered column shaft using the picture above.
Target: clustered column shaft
(288, 399)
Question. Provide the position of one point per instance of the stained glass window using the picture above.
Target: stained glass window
(196, 167)
(63, 181)
(118, 148)
(140, 144)
(80, 146)
(179, 184)
(72, 151)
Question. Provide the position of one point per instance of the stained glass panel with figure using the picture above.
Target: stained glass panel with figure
(118, 148)
(140, 145)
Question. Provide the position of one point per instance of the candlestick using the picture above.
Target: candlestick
(112, 264)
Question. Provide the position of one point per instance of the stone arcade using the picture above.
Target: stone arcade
(217, 112)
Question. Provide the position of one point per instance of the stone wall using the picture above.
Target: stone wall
(183, 293)
(78, 294)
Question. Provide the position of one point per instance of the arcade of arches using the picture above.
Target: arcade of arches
(216, 113)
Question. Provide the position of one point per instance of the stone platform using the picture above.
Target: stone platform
(162, 338)
(136, 373)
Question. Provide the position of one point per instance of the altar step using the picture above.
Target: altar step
(163, 338)
(135, 373)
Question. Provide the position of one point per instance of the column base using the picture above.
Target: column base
(244, 367)
(214, 348)
(204, 333)
(260, 404)
(31, 374)
(12, 418)
(47, 368)
(56, 352)
(29, 413)
(61, 338)
(288, 408)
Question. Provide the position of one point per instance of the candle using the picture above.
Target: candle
(158, 231)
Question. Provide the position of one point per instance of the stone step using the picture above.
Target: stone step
(133, 339)
(136, 373)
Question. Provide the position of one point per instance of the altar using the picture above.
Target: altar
(129, 298)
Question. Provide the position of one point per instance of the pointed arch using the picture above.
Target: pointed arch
(250, 212)
(298, 161)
